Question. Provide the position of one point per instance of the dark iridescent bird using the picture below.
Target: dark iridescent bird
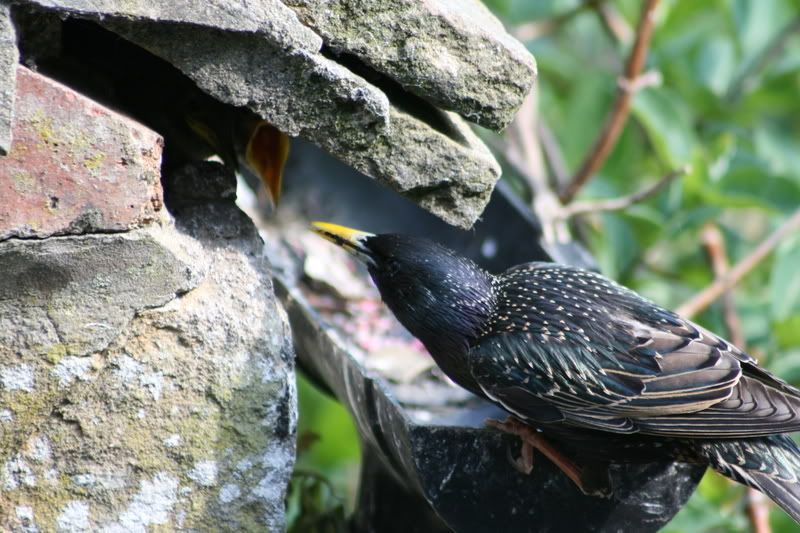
(593, 366)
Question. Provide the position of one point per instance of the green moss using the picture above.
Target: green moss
(30, 410)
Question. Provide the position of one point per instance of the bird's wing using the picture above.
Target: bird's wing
(657, 374)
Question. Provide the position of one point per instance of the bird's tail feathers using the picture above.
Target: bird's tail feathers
(768, 464)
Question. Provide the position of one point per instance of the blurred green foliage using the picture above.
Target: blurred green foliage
(728, 105)
(323, 488)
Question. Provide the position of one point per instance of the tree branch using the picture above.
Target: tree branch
(615, 204)
(706, 297)
(552, 153)
(613, 127)
(757, 503)
(614, 25)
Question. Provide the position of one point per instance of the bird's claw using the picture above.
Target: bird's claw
(533, 439)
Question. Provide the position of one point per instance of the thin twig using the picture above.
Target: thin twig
(757, 503)
(770, 52)
(614, 25)
(552, 153)
(623, 202)
(708, 295)
(523, 132)
(616, 120)
(715, 246)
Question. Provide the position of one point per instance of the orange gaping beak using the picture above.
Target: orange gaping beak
(266, 154)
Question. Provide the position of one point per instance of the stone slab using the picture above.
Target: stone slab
(75, 167)
(453, 53)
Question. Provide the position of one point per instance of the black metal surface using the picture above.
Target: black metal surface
(442, 455)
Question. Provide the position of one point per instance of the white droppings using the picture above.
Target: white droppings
(71, 368)
(229, 492)
(19, 377)
(6, 415)
(275, 460)
(39, 449)
(84, 480)
(25, 517)
(74, 517)
(204, 473)
(16, 473)
(127, 369)
(131, 371)
(173, 441)
(150, 506)
(244, 465)
(153, 382)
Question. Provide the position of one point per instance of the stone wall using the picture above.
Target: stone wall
(146, 372)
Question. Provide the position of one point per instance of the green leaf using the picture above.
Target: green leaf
(787, 366)
(787, 332)
(757, 22)
(668, 125)
(785, 281)
(716, 63)
(779, 149)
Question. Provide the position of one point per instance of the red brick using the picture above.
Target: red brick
(75, 166)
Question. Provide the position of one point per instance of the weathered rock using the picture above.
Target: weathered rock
(8, 68)
(174, 409)
(454, 54)
(268, 18)
(75, 166)
(146, 372)
(449, 172)
(300, 92)
(265, 60)
(446, 170)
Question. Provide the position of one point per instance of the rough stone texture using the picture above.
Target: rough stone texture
(454, 53)
(75, 166)
(449, 172)
(302, 94)
(268, 18)
(432, 168)
(260, 56)
(8, 68)
(147, 381)
(146, 372)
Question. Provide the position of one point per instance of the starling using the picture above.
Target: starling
(583, 364)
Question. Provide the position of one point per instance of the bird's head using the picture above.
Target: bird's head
(441, 297)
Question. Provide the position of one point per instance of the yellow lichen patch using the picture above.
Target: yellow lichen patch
(43, 126)
(94, 162)
(56, 352)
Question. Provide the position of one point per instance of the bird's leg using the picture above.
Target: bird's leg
(533, 439)
(523, 463)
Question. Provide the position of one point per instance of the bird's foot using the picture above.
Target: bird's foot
(532, 439)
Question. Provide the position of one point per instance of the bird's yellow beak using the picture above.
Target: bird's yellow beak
(266, 154)
(350, 239)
